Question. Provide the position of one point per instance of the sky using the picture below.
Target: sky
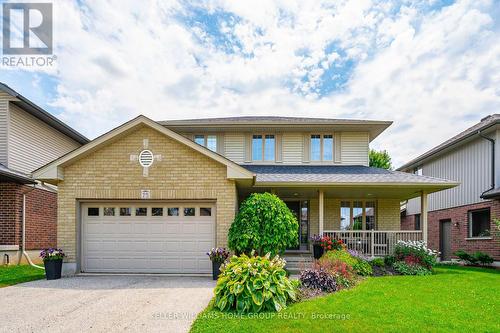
(431, 67)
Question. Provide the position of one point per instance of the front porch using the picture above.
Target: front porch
(358, 204)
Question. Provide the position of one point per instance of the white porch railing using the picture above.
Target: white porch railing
(373, 243)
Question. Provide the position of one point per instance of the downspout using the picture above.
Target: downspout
(24, 253)
(492, 161)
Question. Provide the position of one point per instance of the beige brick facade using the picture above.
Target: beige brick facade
(108, 173)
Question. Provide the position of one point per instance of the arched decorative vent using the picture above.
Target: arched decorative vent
(146, 158)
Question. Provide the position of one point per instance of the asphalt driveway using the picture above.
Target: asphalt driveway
(105, 303)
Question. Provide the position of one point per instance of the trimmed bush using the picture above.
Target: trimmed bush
(411, 269)
(254, 284)
(363, 268)
(379, 262)
(265, 224)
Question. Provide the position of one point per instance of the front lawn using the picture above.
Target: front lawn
(10, 275)
(454, 299)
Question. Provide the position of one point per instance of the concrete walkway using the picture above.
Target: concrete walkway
(104, 303)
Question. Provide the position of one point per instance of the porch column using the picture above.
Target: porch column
(321, 210)
(423, 214)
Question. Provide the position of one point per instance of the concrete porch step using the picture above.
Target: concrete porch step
(297, 262)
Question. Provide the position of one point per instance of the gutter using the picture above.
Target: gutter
(492, 161)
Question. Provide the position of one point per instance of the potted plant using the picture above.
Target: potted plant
(52, 260)
(217, 255)
(329, 244)
(317, 248)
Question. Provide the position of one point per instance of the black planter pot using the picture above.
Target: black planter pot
(53, 269)
(216, 269)
(317, 251)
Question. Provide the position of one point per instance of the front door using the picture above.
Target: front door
(301, 211)
(445, 239)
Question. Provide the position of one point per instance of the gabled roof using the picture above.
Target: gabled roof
(485, 123)
(53, 172)
(374, 127)
(342, 175)
(43, 115)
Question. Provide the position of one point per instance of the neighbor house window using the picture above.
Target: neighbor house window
(479, 223)
(209, 141)
(358, 215)
(321, 147)
(418, 171)
(263, 147)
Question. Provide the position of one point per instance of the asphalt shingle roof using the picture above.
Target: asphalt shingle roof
(337, 174)
(269, 119)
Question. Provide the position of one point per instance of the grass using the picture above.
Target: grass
(454, 299)
(10, 275)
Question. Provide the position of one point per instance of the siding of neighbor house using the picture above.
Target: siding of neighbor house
(108, 173)
(351, 148)
(33, 143)
(4, 120)
(470, 165)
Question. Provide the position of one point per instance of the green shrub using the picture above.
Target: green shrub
(265, 224)
(363, 268)
(358, 264)
(341, 255)
(254, 284)
(410, 269)
(474, 259)
(379, 262)
(389, 260)
(415, 252)
(342, 272)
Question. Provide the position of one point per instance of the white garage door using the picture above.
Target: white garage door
(140, 237)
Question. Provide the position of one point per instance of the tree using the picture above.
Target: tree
(265, 224)
(380, 159)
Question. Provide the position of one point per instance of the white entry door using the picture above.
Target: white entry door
(139, 237)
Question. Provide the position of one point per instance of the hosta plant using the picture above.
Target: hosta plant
(254, 284)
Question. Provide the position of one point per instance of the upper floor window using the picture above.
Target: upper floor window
(263, 147)
(321, 147)
(209, 141)
(479, 223)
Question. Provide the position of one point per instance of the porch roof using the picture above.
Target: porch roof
(340, 175)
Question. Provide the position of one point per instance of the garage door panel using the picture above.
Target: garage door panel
(147, 244)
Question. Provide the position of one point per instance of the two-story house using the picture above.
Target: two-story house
(462, 218)
(155, 196)
(29, 138)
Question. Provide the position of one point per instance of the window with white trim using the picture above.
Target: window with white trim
(209, 141)
(479, 223)
(263, 147)
(321, 147)
(358, 215)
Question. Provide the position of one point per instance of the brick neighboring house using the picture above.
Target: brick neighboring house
(461, 218)
(29, 138)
